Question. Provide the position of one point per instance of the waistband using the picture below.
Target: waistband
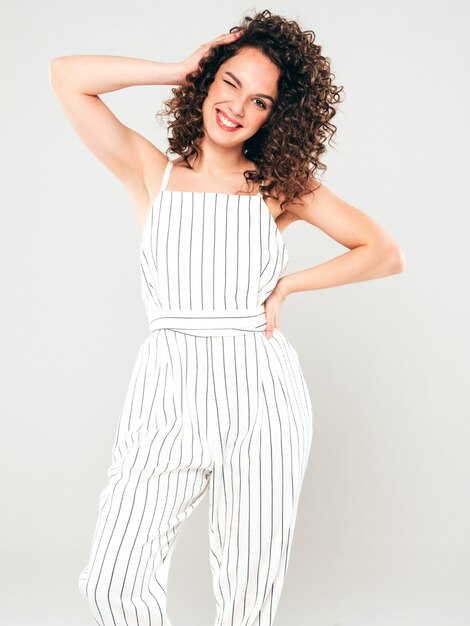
(219, 322)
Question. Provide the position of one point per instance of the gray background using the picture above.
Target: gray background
(382, 537)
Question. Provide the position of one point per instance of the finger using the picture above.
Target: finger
(269, 328)
(228, 36)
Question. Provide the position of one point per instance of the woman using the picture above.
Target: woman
(217, 400)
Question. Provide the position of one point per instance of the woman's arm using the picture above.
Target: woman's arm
(373, 253)
(77, 82)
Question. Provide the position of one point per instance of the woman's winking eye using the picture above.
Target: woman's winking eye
(229, 83)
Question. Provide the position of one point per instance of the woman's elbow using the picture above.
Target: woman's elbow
(396, 259)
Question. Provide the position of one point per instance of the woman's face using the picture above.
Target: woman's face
(244, 91)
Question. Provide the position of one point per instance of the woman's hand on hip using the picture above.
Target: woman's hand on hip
(272, 309)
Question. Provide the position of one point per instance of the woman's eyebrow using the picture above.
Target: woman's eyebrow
(263, 95)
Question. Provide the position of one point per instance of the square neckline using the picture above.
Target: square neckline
(163, 189)
(166, 179)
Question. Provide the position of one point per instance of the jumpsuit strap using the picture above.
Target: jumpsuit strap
(166, 174)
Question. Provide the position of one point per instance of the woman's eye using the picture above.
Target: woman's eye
(257, 99)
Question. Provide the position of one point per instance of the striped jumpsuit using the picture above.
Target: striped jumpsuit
(212, 405)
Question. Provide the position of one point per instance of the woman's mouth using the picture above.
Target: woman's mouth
(224, 122)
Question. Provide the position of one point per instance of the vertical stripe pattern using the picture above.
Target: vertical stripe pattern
(212, 406)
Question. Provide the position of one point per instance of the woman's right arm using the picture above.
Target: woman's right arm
(77, 82)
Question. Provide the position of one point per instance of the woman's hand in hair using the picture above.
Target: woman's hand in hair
(191, 63)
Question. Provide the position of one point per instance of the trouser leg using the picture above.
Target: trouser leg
(158, 476)
(265, 424)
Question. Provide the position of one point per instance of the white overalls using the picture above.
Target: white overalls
(212, 405)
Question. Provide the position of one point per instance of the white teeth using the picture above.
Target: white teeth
(226, 121)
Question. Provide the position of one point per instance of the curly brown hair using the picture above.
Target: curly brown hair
(287, 149)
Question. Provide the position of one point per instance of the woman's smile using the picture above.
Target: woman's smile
(225, 122)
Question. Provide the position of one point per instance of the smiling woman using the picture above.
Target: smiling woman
(273, 82)
(240, 110)
(217, 399)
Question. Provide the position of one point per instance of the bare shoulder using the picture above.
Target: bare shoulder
(294, 210)
(343, 222)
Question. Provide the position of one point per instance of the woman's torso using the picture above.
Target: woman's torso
(211, 254)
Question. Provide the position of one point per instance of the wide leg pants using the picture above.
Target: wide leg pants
(227, 415)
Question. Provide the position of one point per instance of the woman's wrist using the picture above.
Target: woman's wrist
(175, 73)
(283, 286)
